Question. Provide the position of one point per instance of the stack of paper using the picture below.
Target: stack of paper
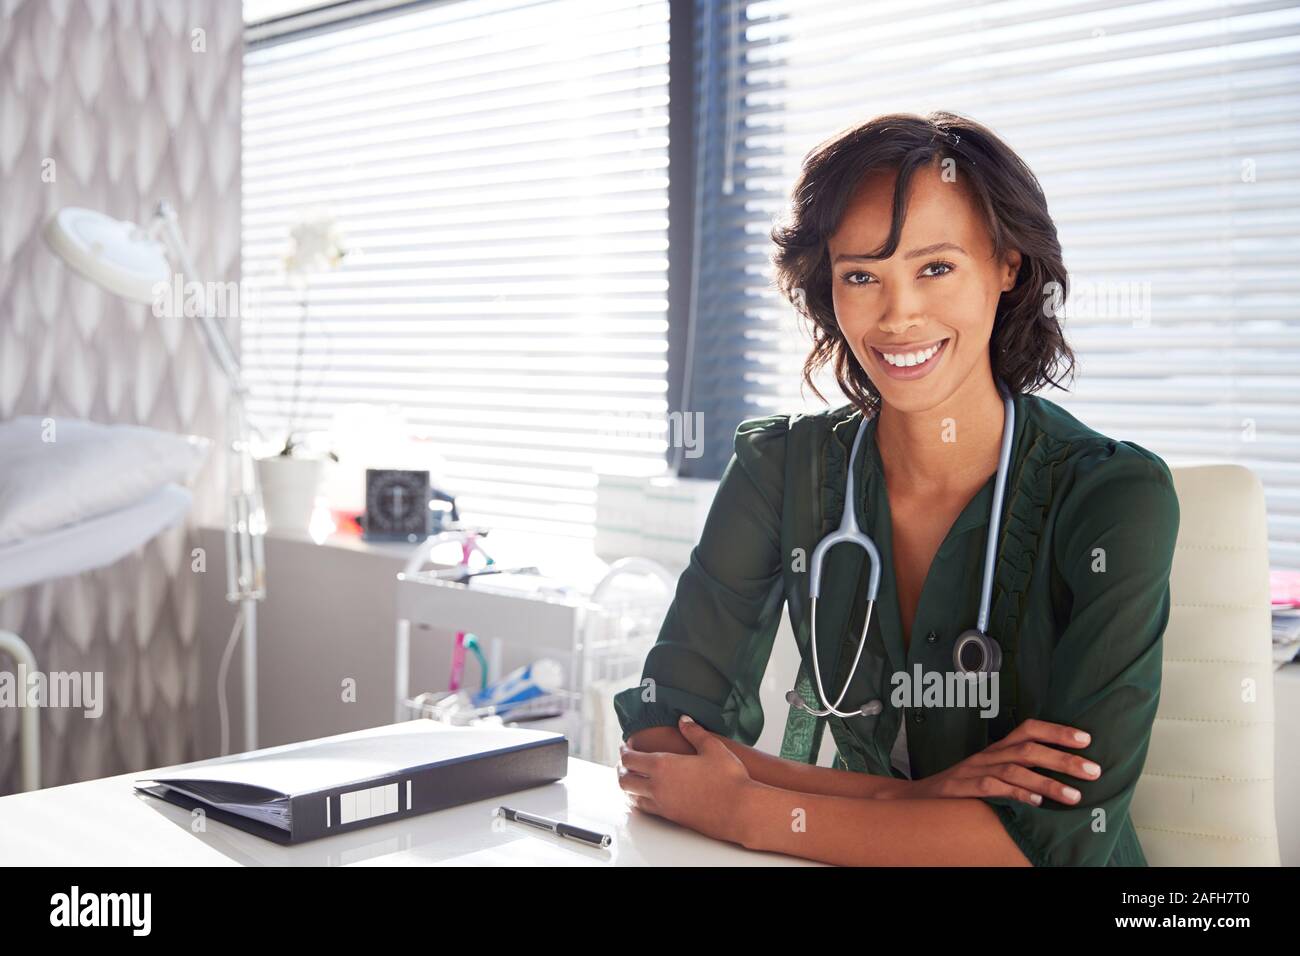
(1285, 589)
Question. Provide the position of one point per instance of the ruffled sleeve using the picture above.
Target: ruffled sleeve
(1045, 464)
(716, 638)
(1113, 546)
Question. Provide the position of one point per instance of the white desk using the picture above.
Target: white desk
(106, 823)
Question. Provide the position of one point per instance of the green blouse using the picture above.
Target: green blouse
(1080, 604)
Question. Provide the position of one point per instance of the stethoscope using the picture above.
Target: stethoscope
(975, 652)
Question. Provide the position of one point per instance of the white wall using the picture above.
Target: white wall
(113, 105)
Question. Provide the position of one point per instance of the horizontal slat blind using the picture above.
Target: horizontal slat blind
(499, 168)
(1166, 138)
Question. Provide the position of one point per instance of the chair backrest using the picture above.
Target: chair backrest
(1205, 797)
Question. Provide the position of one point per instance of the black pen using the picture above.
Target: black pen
(590, 837)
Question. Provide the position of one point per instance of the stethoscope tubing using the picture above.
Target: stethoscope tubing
(848, 531)
(995, 514)
(817, 673)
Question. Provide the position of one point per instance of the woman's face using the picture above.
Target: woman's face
(930, 306)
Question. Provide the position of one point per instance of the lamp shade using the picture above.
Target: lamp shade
(116, 255)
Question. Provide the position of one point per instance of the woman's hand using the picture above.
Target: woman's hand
(1002, 769)
(703, 791)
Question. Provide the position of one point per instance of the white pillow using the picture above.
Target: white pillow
(87, 469)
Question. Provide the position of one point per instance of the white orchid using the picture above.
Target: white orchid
(315, 245)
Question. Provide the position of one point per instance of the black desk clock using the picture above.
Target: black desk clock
(397, 505)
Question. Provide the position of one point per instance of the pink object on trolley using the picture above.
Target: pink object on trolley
(467, 547)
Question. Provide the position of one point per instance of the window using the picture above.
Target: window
(1165, 135)
(498, 171)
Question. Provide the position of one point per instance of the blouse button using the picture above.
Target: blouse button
(932, 637)
(918, 717)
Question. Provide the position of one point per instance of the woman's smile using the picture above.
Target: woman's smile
(910, 361)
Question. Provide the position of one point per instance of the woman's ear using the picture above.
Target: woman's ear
(1011, 269)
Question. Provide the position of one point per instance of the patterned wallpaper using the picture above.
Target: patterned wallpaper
(113, 105)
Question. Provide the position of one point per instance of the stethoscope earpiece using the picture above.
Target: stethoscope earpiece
(870, 709)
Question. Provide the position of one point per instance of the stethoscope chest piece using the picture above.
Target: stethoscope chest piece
(976, 653)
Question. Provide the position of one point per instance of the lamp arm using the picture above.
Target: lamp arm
(218, 342)
(245, 518)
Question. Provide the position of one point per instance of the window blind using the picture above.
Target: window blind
(497, 170)
(1165, 136)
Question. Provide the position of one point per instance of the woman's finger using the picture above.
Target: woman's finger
(1036, 783)
(1046, 732)
(979, 786)
(1030, 754)
(647, 804)
(991, 786)
(633, 782)
(641, 762)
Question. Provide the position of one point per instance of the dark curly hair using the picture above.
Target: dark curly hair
(1027, 349)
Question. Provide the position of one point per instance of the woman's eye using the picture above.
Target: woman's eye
(866, 278)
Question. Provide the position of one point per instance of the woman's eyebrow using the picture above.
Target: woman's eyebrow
(915, 253)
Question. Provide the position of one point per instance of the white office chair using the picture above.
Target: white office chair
(1205, 797)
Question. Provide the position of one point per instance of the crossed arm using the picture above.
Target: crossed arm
(732, 792)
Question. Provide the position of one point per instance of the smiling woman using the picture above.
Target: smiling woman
(921, 250)
(995, 254)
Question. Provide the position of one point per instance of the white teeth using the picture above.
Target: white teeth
(906, 359)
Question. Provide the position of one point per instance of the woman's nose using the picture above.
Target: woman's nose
(904, 309)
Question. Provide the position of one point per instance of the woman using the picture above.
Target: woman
(922, 254)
